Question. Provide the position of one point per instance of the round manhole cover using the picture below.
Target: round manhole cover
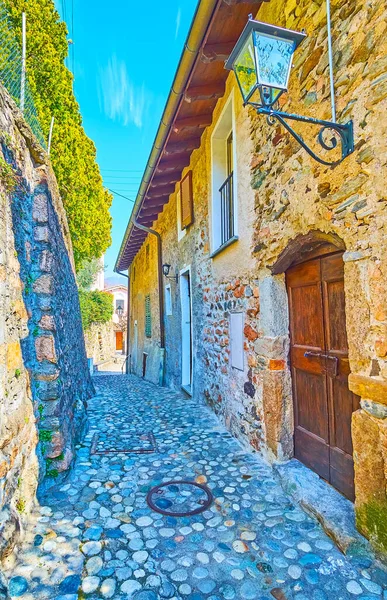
(179, 498)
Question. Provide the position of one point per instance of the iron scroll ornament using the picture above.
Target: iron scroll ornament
(343, 131)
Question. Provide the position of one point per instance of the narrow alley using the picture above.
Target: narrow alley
(97, 537)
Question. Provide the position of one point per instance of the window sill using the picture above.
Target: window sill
(235, 238)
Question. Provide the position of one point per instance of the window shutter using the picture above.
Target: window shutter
(148, 317)
(186, 199)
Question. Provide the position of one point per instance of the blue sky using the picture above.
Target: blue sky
(125, 55)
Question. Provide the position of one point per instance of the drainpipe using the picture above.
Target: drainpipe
(127, 323)
(161, 293)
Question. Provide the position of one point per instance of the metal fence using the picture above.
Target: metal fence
(11, 73)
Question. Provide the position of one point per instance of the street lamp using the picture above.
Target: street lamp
(120, 312)
(166, 270)
(262, 61)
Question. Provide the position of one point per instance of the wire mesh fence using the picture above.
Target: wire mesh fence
(11, 73)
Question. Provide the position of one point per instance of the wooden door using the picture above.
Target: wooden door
(119, 340)
(323, 404)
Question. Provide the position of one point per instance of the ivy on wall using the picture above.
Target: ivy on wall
(73, 154)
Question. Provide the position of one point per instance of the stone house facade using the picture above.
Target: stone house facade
(308, 251)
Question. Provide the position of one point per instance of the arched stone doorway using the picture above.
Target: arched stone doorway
(318, 357)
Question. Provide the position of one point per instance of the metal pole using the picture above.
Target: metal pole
(50, 135)
(330, 54)
(23, 70)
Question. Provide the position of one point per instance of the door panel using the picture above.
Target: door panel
(312, 413)
(119, 340)
(323, 404)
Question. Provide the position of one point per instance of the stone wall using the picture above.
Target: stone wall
(284, 194)
(18, 432)
(348, 201)
(100, 342)
(52, 348)
(144, 281)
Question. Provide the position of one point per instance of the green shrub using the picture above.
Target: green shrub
(96, 307)
(73, 154)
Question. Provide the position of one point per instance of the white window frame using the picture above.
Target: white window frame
(168, 300)
(224, 126)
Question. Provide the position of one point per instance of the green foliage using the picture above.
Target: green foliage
(96, 307)
(87, 274)
(73, 154)
(20, 505)
(45, 435)
(17, 373)
(52, 473)
(7, 176)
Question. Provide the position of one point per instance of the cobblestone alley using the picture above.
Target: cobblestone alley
(97, 537)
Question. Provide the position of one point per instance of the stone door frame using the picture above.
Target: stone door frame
(274, 345)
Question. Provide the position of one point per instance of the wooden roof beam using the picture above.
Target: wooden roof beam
(171, 164)
(163, 192)
(216, 52)
(199, 121)
(205, 92)
(183, 147)
(158, 181)
(234, 2)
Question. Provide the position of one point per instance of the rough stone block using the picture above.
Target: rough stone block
(368, 387)
(277, 414)
(276, 365)
(45, 261)
(48, 390)
(272, 347)
(45, 348)
(40, 208)
(41, 233)
(274, 316)
(14, 356)
(43, 285)
(370, 479)
(44, 303)
(47, 322)
(379, 411)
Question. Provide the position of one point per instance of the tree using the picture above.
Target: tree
(87, 274)
(73, 154)
(96, 307)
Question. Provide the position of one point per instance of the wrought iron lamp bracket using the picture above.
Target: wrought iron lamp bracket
(344, 132)
(174, 278)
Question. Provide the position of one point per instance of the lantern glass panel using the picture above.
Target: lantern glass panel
(274, 57)
(245, 69)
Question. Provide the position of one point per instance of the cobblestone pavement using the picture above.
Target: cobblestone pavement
(96, 537)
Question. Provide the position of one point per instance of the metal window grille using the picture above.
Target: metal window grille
(11, 73)
(148, 317)
(227, 210)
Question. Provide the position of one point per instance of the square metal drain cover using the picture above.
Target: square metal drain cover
(127, 443)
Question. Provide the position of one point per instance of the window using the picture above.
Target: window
(168, 300)
(186, 200)
(148, 317)
(120, 304)
(223, 213)
(236, 336)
